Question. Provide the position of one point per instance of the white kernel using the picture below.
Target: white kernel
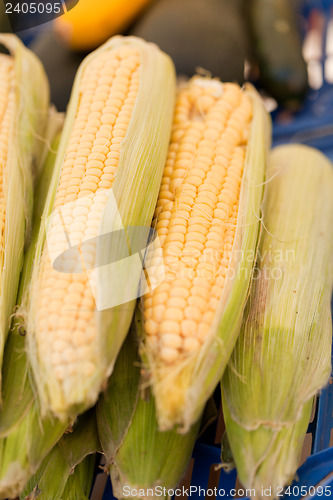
(191, 344)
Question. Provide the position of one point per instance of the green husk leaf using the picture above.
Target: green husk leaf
(25, 438)
(67, 471)
(23, 450)
(115, 408)
(138, 454)
(134, 193)
(80, 482)
(265, 458)
(181, 391)
(283, 355)
(27, 127)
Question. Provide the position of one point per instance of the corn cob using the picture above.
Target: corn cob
(18, 394)
(207, 220)
(282, 357)
(23, 450)
(106, 178)
(67, 471)
(25, 438)
(23, 111)
(138, 455)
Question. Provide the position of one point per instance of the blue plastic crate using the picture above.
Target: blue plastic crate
(313, 125)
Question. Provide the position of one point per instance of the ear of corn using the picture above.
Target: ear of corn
(23, 111)
(282, 357)
(207, 220)
(265, 458)
(106, 178)
(50, 140)
(67, 471)
(138, 455)
(17, 389)
(25, 438)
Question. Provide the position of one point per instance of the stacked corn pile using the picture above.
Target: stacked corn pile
(155, 193)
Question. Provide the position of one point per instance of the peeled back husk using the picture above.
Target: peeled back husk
(283, 355)
(181, 387)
